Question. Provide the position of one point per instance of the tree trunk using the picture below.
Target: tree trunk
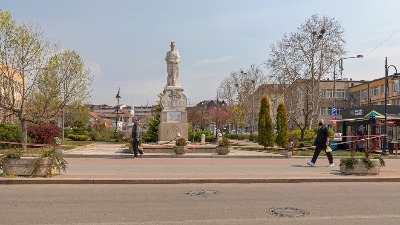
(24, 133)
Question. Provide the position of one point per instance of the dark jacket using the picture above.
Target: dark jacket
(322, 135)
(136, 130)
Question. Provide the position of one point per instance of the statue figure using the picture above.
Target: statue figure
(173, 58)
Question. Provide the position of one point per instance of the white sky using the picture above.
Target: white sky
(124, 42)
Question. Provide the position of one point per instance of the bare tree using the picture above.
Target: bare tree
(300, 61)
(34, 84)
(239, 89)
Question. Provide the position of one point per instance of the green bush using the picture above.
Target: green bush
(306, 143)
(10, 133)
(241, 137)
(232, 136)
(67, 131)
(197, 135)
(253, 137)
(78, 137)
(310, 134)
(296, 134)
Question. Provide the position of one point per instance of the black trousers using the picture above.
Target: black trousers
(318, 148)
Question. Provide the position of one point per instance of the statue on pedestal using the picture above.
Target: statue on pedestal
(173, 118)
(173, 58)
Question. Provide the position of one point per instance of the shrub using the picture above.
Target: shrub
(310, 134)
(224, 142)
(253, 137)
(10, 133)
(78, 137)
(232, 136)
(197, 135)
(43, 133)
(67, 131)
(240, 137)
(306, 143)
(180, 142)
(296, 134)
(210, 138)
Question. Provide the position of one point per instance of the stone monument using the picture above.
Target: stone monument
(173, 118)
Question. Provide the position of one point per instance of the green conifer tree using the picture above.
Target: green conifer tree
(282, 126)
(262, 133)
(152, 132)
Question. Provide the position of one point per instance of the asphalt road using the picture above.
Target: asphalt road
(313, 203)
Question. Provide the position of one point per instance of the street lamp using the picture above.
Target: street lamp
(116, 118)
(395, 75)
(340, 61)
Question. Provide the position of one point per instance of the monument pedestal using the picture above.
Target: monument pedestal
(168, 131)
(173, 118)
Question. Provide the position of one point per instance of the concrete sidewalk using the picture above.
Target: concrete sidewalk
(107, 164)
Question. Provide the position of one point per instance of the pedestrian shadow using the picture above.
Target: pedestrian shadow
(300, 166)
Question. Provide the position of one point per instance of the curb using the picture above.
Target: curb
(199, 155)
(192, 181)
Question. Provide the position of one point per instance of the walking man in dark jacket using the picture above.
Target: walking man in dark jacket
(136, 138)
(321, 142)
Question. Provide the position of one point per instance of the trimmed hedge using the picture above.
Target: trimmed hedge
(78, 137)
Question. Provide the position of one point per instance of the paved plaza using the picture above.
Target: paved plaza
(107, 163)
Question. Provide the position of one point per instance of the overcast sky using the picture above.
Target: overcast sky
(124, 42)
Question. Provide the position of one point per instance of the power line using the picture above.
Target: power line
(390, 36)
(383, 42)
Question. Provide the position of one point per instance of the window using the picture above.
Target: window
(365, 94)
(396, 86)
(330, 111)
(396, 102)
(329, 93)
(383, 89)
(340, 93)
(339, 111)
(322, 111)
(375, 91)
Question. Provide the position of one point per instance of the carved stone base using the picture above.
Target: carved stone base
(360, 168)
(24, 167)
(169, 131)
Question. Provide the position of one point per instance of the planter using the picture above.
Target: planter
(223, 150)
(360, 168)
(180, 150)
(24, 167)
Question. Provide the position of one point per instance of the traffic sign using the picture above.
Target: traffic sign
(333, 117)
(334, 111)
(334, 123)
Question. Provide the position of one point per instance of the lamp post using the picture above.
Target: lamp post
(252, 108)
(116, 118)
(395, 75)
(252, 83)
(340, 61)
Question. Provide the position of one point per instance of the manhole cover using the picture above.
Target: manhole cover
(203, 193)
(288, 212)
